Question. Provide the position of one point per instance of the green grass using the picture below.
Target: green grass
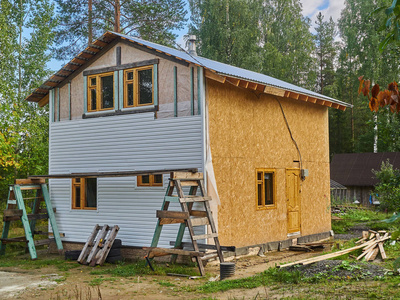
(27, 263)
(99, 280)
(140, 268)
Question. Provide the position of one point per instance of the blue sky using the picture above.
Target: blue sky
(329, 8)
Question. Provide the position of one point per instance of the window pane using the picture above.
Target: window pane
(268, 189)
(93, 81)
(107, 92)
(93, 104)
(129, 76)
(91, 192)
(146, 179)
(158, 178)
(259, 194)
(145, 79)
(130, 94)
(259, 175)
(77, 196)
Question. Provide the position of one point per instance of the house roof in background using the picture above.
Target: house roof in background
(355, 169)
(219, 71)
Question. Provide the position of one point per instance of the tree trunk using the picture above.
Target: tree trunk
(117, 16)
(90, 23)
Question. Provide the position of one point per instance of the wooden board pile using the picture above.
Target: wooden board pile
(371, 243)
(375, 240)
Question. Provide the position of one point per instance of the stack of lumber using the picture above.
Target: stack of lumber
(369, 243)
(375, 240)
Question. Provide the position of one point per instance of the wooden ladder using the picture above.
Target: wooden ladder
(16, 210)
(188, 217)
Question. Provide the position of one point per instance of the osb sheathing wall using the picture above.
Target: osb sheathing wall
(130, 54)
(247, 132)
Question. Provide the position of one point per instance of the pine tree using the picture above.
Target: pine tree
(228, 31)
(81, 21)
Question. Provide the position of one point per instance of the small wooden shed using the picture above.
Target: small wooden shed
(125, 104)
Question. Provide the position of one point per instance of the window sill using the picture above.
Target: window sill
(124, 111)
(266, 207)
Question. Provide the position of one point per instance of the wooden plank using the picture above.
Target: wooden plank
(374, 254)
(206, 246)
(382, 250)
(214, 76)
(12, 213)
(195, 199)
(31, 181)
(173, 199)
(172, 214)
(171, 221)
(52, 217)
(102, 254)
(200, 221)
(323, 257)
(113, 174)
(172, 251)
(198, 213)
(274, 91)
(188, 183)
(42, 242)
(370, 252)
(100, 239)
(186, 175)
(205, 236)
(89, 243)
(14, 240)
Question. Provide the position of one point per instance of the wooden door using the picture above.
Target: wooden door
(293, 199)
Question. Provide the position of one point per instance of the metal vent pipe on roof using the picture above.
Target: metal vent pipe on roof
(192, 45)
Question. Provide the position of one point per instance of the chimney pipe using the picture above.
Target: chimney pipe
(192, 45)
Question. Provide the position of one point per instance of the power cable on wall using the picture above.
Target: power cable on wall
(291, 135)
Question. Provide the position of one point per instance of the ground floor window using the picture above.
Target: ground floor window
(84, 193)
(265, 188)
(150, 180)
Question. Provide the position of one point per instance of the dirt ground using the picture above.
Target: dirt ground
(77, 283)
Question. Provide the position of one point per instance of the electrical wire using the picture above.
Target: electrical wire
(291, 135)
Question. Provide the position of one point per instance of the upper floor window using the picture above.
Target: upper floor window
(101, 92)
(138, 87)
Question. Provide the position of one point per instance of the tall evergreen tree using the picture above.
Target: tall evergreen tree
(23, 126)
(81, 21)
(228, 31)
(288, 43)
(359, 55)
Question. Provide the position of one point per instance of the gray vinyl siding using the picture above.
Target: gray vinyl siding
(121, 143)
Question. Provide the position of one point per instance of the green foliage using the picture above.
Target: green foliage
(388, 188)
(150, 20)
(23, 126)
(228, 31)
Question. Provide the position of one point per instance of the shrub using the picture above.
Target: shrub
(388, 188)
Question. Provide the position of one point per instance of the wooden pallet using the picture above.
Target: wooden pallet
(16, 211)
(98, 245)
(187, 217)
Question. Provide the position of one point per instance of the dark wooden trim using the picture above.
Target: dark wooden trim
(120, 112)
(153, 51)
(122, 67)
(114, 174)
(77, 71)
(118, 54)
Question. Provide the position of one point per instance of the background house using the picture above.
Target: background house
(354, 171)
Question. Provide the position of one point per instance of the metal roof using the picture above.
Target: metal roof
(220, 69)
(355, 169)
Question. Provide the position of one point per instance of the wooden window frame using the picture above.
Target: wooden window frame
(151, 181)
(261, 182)
(82, 184)
(135, 83)
(98, 92)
